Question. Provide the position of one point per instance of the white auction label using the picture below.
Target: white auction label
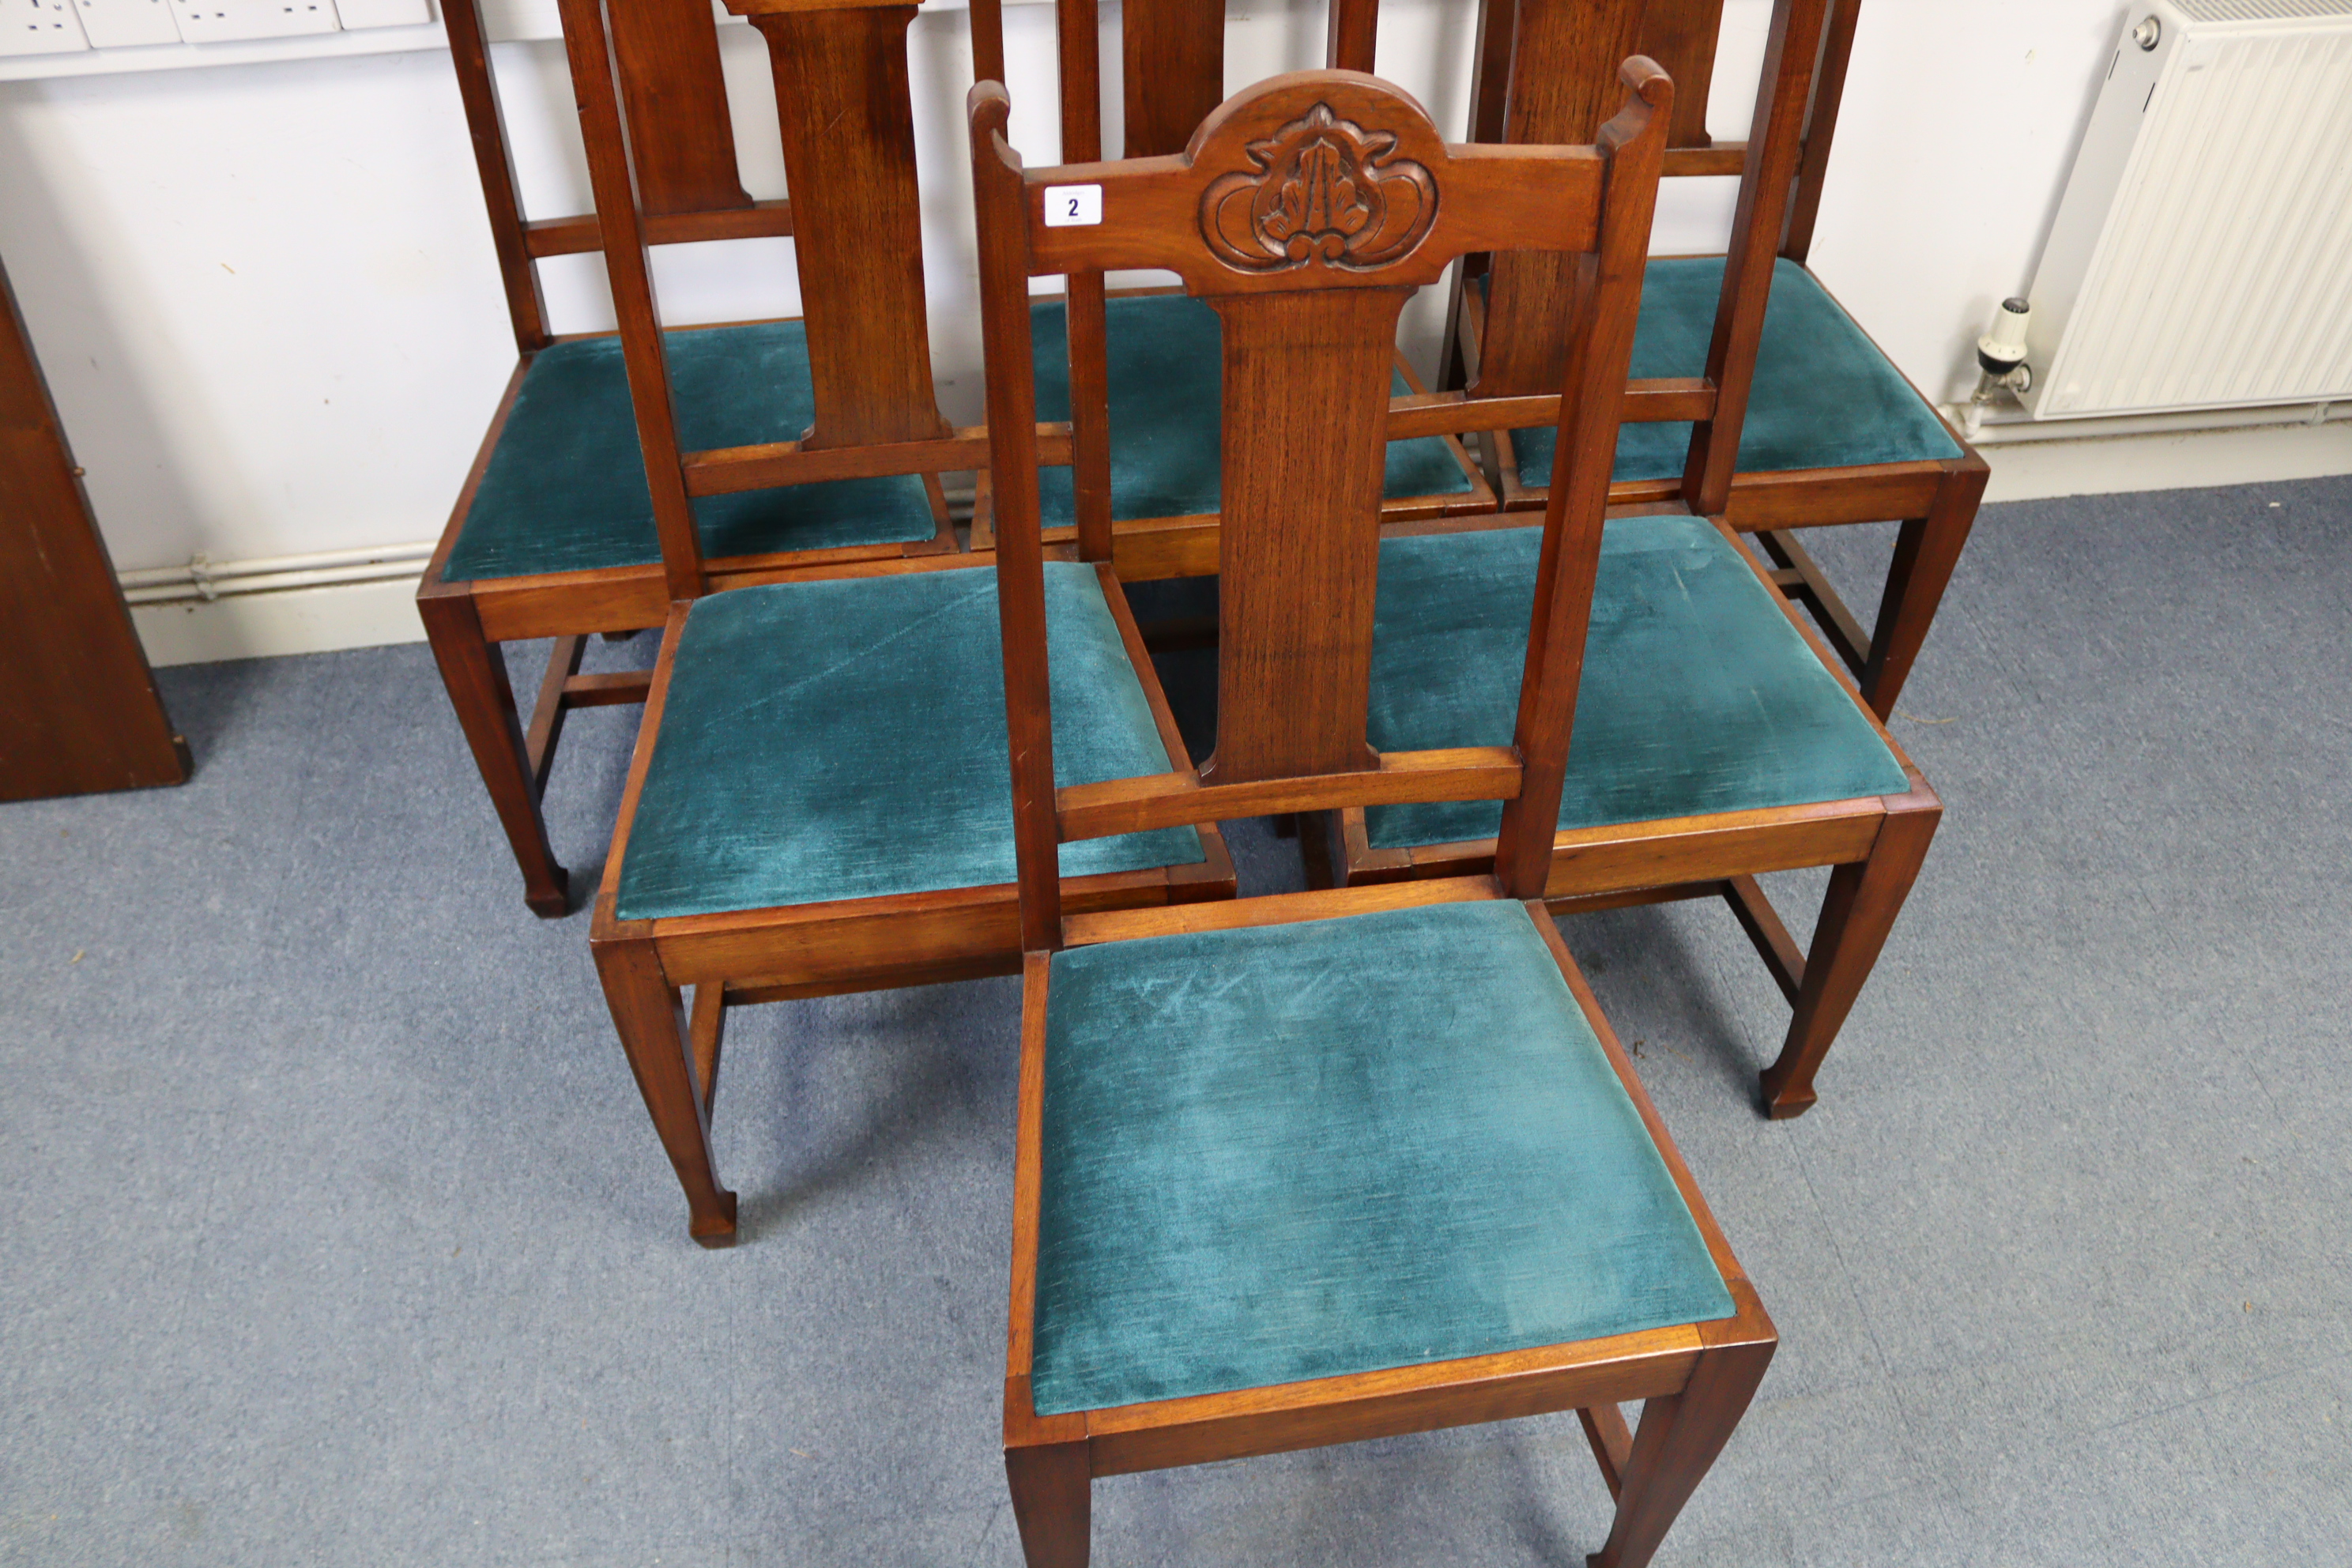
(1071, 206)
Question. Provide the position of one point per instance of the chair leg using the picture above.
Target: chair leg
(1863, 899)
(476, 676)
(653, 1032)
(1678, 1439)
(1052, 1502)
(1926, 552)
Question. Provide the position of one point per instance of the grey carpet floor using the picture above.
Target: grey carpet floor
(336, 1234)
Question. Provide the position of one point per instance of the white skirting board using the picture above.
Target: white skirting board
(321, 617)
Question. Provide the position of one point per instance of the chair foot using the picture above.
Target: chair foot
(550, 903)
(715, 1229)
(1781, 1102)
(1052, 1502)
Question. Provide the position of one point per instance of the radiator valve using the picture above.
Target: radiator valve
(2000, 358)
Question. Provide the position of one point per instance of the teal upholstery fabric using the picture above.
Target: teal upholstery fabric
(846, 740)
(1311, 1150)
(566, 489)
(1824, 396)
(1166, 378)
(1698, 695)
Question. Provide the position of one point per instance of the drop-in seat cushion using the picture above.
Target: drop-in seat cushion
(1305, 1150)
(1165, 373)
(1824, 398)
(844, 739)
(565, 488)
(1698, 695)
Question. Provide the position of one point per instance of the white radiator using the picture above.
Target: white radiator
(2202, 254)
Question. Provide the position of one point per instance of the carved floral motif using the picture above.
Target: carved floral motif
(1322, 189)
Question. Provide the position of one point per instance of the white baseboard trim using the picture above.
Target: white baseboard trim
(2168, 460)
(316, 619)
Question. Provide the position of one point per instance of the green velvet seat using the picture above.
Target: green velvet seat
(1165, 375)
(565, 488)
(844, 739)
(1698, 695)
(1304, 1151)
(1824, 398)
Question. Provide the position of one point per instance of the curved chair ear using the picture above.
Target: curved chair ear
(988, 109)
(1649, 100)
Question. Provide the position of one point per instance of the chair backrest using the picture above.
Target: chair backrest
(661, 159)
(1543, 75)
(1305, 210)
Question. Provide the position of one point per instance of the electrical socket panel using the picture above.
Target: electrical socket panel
(40, 27)
(127, 24)
(219, 21)
(358, 13)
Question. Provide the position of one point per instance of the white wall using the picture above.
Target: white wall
(266, 303)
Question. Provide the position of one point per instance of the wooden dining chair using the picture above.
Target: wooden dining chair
(623, 471)
(1307, 1169)
(816, 804)
(1134, 372)
(1756, 398)
(1715, 742)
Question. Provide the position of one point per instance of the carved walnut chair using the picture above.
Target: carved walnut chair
(1756, 397)
(1134, 372)
(625, 471)
(1312, 1168)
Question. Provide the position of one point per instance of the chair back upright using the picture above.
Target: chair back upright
(1543, 75)
(662, 167)
(1305, 211)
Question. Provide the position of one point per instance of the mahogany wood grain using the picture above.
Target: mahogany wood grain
(607, 688)
(474, 673)
(1352, 35)
(727, 469)
(1724, 158)
(628, 270)
(1680, 35)
(573, 235)
(1001, 211)
(1172, 800)
(1613, 1444)
(1856, 916)
(1808, 498)
(80, 711)
(547, 712)
(1761, 922)
(1810, 586)
(494, 162)
(1926, 552)
(1473, 1391)
(1273, 908)
(1300, 526)
(1678, 1442)
(681, 138)
(706, 1031)
(1052, 1505)
(1562, 86)
(1774, 141)
(1173, 71)
(1600, 345)
(847, 122)
(1821, 127)
(645, 1006)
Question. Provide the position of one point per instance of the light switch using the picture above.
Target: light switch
(219, 21)
(39, 27)
(384, 12)
(127, 24)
